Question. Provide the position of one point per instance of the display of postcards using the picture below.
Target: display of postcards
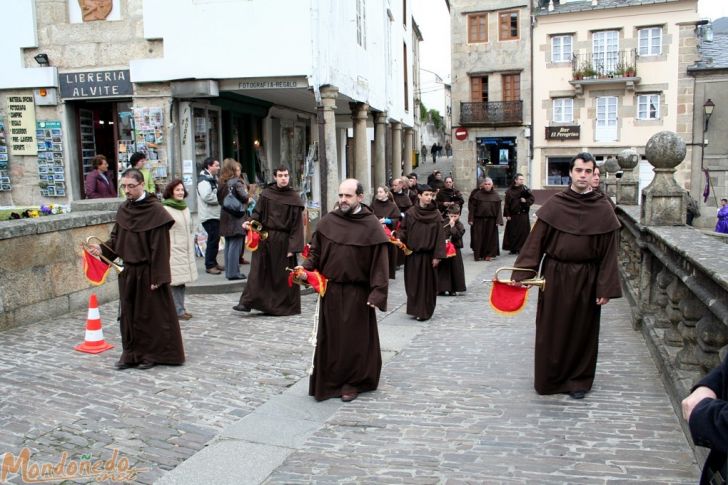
(40, 134)
(49, 178)
(57, 147)
(44, 192)
(57, 156)
(58, 163)
(56, 132)
(5, 180)
(48, 145)
(41, 146)
(59, 177)
(42, 169)
(48, 133)
(3, 148)
(56, 138)
(58, 169)
(60, 191)
(3, 157)
(3, 164)
(51, 191)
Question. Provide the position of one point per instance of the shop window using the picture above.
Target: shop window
(650, 41)
(561, 48)
(508, 26)
(558, 171)
(477, 28)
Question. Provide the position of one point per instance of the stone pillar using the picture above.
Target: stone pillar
(664, 202)
(628, 186)
(408, 136)
(380, 131)
(610, 181)
(362, 172)
(396, 149)
(330, 173)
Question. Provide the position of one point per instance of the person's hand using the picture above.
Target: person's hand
(508, 218)
(523, 200)
(689, 403)
(154, 287)
(303, 276)
(435, 262)
(370, 305)
(246, 225)
(452, 223)
(381, 220)
(289, 255)
(602, 300)
(94, 249)
(470, 223)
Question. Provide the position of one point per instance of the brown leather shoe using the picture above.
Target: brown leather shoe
(184, 316)
(146, 365)
(188, 315)
(349, 396)
(220, 267)
(213, 270)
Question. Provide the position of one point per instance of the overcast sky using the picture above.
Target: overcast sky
(713, 9)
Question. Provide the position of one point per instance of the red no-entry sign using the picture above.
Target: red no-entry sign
(461, 133)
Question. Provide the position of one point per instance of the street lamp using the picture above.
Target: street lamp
(708, 111)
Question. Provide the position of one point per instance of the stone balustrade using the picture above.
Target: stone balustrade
(675, 277)
(41, 270)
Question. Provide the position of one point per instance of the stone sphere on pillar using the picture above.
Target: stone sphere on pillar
(628, 159)
(665, 150)
(611, 165)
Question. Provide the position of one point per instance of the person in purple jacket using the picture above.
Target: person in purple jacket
(722, 224)
(98, 184)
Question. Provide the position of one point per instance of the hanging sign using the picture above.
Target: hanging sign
(95, 84)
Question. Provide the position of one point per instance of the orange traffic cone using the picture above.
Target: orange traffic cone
(94, 342)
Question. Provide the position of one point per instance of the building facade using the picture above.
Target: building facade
(266, 83)
(491, 90)
(608, 75)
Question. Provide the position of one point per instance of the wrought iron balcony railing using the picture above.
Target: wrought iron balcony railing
(502, 113)
(604, 65)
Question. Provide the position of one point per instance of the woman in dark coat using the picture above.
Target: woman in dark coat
(231, 225)
(98, 184)
(388, 214)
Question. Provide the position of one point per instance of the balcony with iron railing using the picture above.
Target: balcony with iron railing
(604, 68)
(494, 113)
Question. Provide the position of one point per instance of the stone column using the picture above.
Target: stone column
(380, 131)
(610, 181)
(664, 202)
(408, 136)
(396, 149)
(362, 172)
(628, 185)
(330, 172)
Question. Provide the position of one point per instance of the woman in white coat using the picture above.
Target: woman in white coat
(182, 254)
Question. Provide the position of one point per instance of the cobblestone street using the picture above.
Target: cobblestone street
(455, 402)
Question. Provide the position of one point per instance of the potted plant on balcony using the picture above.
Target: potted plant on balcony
(630, 71)
(618, 70)
(589, 71)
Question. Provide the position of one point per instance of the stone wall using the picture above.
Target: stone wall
(41, 271)
(676, 279)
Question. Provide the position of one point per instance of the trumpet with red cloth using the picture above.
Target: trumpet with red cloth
(304, 277)
(254, 235)
(509, 297)
(396, 241)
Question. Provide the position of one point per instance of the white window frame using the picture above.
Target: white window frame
(649, 41)
(644, 111)
(361, 23)
(605, 51)
(606, 122)
(558, 50)
(563, 110)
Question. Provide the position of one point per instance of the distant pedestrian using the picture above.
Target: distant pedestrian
(722, 224)
(448, 149)
(150, 332)
(423, 154)
(231, 223)
(484, 217)
(388, 214)
(182, 265)
(433, 152)
(208, 210)
(515, 209)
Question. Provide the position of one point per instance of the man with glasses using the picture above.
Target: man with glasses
(150, 332)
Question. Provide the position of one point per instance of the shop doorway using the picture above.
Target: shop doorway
(498, 159)
(100, 126)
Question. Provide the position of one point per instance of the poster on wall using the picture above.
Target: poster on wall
(51, 169)
(21, 121)
(4, 167)
(148, 131)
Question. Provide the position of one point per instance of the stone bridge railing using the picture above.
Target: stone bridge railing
(675, 276)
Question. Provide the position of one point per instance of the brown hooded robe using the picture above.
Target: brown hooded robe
(451, 271)
(150, 329)
(280, 211)
(578, 234)
(422, 231)
(351, 251)
(519, 225)
(389, 209)
(403, 202)
(484, 215)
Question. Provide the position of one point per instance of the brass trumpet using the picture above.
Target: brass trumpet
(256, 226)
(86, 245)
(538, 281)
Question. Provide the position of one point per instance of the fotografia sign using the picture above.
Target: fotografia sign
(21, 118)
(563, 132)
(95, 84)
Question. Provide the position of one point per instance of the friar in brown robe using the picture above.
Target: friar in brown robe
(422, 231)
(577, 236)
(349, 248)
(400, 192)
(388, 214)
(484, 217)
(448, 196)
(280, 210)
(515, 209)
(451, 270)
(150, 331)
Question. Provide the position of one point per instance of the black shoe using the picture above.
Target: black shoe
(123, 365)
(241, 308)
(577, 394)
(240, 277)
(146, 365)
